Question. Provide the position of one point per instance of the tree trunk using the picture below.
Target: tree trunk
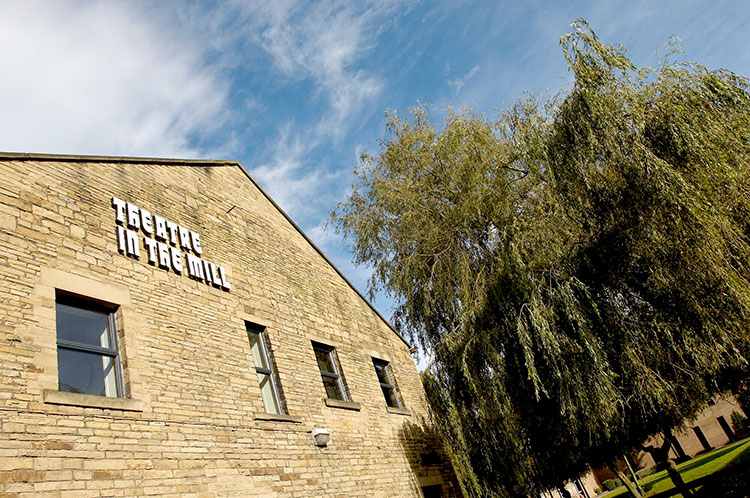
(628, 483)
(661, 457)
(679, 484)
(633, 475)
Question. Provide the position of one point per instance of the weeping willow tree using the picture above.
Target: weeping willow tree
(579, 267)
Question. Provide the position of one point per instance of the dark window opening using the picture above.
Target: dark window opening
(87, 352)
(330, 371)
(434, 491)
(725, 427)
(677, 447)
(270, 388)
(702, 438)
(431, 458)
(383, 371)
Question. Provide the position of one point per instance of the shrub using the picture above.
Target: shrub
(611, 484)
(739, 421)
(646, 472)
(743, 396)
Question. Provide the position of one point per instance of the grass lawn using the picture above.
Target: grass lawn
(725, 472)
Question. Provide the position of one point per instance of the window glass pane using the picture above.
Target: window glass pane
(325, 362)
(390, 397)
(268, 383)
(380, 369)
(333, 390)
(86, 373)
(383, 371)
(268, 395)
(255, 347)
(81, 325)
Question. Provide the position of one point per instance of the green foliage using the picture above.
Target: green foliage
(743, 396)
(714, 468)
(579, 267)
(646, 472)
(739, 421)
(612, 484)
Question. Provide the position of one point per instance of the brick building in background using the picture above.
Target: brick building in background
(710, 429)
(165, 329)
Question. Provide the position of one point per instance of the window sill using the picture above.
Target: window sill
(398, 411)
(346, 405)
(91, 401)
(272, 417)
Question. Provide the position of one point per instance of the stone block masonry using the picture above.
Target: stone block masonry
(180, 261)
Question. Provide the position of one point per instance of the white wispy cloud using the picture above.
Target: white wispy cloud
(326, 239)
(102, 77)
(458, 83)
(324, 43)
(295, 186)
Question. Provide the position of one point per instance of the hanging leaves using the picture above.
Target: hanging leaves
(579, 266)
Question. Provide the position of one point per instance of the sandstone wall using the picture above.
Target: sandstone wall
(193, 422)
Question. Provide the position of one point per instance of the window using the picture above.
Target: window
(677, 448)
(383, 371)
(433, 491)
(87, 353)
(269, 388)
(702, 438)
(329, 371)
(725, 427)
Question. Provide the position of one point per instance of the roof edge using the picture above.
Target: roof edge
(319, 251)
(21, 156)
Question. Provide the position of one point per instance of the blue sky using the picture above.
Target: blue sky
(296, 91)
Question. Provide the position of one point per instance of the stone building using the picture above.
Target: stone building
(166, 330)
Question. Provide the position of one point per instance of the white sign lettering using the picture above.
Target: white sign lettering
(164, 242)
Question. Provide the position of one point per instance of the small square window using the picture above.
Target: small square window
(330, 371)
(383, 371)
(270, 390)
(87, 354)
(433, 491)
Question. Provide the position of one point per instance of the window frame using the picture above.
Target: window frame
(92, 305)
(390, 385)
(265, 352)
(330, 351)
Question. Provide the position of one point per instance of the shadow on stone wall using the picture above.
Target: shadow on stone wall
(428, 460)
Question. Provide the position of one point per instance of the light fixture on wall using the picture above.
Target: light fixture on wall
(321, 436)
